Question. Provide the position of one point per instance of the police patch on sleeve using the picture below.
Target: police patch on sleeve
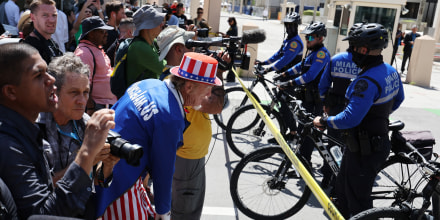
(360, 87)
(320, 55)
(293, 44)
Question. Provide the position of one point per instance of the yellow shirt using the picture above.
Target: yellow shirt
(197, 136)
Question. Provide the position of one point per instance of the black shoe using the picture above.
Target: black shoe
(272, 141)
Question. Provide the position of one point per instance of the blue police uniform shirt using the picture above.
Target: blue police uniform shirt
(363, 94)
(291, 48)
(149, 114)
(314, 63)
(339, 71)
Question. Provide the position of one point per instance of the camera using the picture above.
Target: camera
(235, 46)
(122, 148)
(203, 32)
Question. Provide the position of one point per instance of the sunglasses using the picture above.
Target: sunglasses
(310, 38)
(200, 12)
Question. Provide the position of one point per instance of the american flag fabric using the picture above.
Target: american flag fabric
(134, 204)
(198, 67)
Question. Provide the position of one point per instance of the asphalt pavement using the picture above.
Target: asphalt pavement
(419, 111)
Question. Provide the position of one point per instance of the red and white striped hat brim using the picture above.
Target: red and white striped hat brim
(199, 68)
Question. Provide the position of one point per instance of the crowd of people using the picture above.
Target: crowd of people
(58, 108)
(56, 123)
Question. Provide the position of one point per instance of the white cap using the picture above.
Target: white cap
(170, 36)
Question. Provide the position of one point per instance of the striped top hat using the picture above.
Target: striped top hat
(198, 68)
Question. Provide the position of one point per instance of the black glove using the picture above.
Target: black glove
(286, 84)
(258, 62)
(278, 77)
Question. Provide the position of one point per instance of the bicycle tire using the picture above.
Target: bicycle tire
(382, 213)
(246, 130)
(232, 103)
(253, 173)
(386, 193)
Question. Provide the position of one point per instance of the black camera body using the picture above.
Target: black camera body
(203, 32)
(235, 46)
(239, 56)
(242, 60)
(121, 148)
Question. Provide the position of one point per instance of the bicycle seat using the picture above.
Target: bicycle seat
(396, 125)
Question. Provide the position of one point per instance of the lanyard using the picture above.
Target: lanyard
(49, 43)
(74, 134)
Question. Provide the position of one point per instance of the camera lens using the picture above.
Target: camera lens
(121, 148)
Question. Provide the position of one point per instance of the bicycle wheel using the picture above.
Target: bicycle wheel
(268, 188)
(234, 99)
(382, 213)
(396, 181)
(246, 131)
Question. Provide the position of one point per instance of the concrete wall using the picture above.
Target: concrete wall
(420, 66)
(212, 10)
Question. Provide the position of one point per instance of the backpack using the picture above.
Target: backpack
(118, 79)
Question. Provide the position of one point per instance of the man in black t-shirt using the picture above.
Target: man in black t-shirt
(44, 17)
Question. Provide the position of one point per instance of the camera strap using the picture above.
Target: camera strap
(100, 176)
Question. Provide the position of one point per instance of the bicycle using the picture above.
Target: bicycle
(246, 131)
(397, 177)
(270, 169)
(284, 192)
(405, 208)
(239, 99)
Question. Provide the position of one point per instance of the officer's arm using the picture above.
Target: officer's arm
(295, 70)
(361, 97)
(290, 52)
(317, 65)
(399, 98)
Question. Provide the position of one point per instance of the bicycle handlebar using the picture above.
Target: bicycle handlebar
(429, 167)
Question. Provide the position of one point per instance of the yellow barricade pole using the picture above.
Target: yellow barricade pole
(317, 191)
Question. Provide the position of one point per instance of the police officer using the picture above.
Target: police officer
(288, 55)
(335, 79)
(308, 73)
(375, 93)
(291, 50)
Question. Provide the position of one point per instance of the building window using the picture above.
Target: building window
(413, 10)
(384, 16)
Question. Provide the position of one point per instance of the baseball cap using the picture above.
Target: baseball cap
(93, 23)
(170, 36)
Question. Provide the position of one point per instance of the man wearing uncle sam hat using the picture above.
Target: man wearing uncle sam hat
(152, 114)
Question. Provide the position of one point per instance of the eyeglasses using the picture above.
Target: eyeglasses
(200, 12)
(310, 38)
